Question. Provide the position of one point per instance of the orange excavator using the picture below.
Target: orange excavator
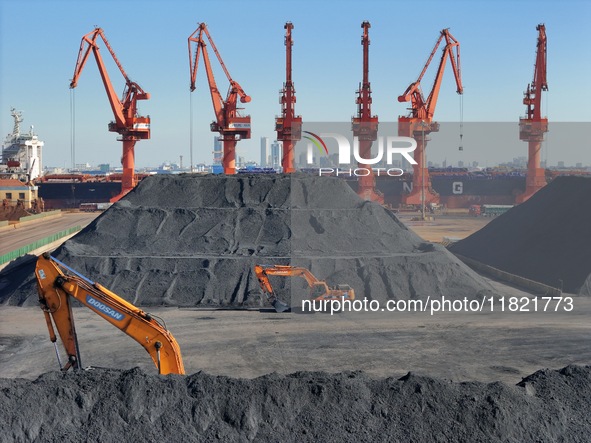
(56, 283)
(127, 123)
(319, 290)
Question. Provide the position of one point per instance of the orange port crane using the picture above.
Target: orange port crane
(419, 123)
(289, 125)
(532, 127)
(131, 126)
(365, 126)
(229, 123)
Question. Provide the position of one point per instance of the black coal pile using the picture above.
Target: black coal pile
(546, 239)
(130, 406)
(194, 240)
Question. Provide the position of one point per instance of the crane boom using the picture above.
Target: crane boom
(127, 122)
(419, 123)
(533, 126)
(289, 125)
(425, 109)
(230, 125)
(57, 282)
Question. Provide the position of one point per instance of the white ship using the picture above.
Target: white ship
(22, 154)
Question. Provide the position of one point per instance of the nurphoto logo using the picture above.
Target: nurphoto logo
(391, 145)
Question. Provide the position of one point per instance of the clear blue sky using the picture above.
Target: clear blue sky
(39, 43)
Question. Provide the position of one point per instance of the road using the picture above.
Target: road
(27, 233)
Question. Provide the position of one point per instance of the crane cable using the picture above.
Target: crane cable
(545, 140)
(461, 147)
(73, 128)
(191, 130)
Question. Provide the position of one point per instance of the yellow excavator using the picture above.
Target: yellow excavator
(56, 283)
(319, 290)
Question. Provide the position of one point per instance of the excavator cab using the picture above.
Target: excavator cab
(318, 291)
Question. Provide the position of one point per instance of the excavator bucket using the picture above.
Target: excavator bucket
(280, 306)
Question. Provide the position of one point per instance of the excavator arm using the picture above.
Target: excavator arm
(57, 282)
(263, 278)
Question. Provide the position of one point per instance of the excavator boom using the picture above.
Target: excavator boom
(57, 282)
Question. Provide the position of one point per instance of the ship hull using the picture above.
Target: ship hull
(454, 192)
(71, 195)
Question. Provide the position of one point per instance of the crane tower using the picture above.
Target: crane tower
(533, 126)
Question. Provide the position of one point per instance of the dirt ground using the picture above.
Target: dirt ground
(458, 226)
(458, 346)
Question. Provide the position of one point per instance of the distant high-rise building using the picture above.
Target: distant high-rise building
(520, 162)
(265, 151)
(303, 160)
(579, 165)
(460, 164)
(561, 164)
(276, 155)
(218, 151)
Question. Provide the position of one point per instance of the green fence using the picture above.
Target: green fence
(38, 216)
(38, 244)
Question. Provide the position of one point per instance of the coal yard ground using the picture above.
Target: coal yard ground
(183, 248)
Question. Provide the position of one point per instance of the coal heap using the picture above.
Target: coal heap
(194, 240)
(129, 406)
(546, 239)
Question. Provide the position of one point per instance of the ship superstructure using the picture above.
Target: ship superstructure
(22, 154)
